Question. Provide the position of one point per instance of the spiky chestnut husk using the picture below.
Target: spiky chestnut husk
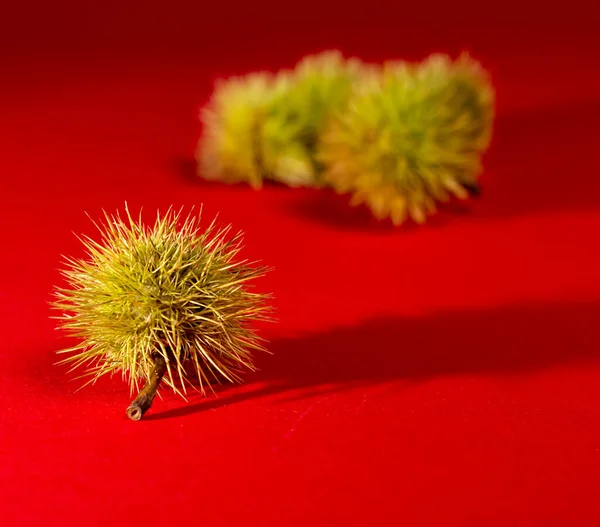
(267, 126)
(228, 150)
(319, 86)
(412, 136)
(162, 302)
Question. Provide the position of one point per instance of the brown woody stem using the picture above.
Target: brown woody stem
(143, 401)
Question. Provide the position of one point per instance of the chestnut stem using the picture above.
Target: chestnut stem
(143, 401)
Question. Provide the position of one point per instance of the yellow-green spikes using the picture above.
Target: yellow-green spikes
(267, 126)
(229, 150)
(411, 138)
(165, 301)
(400, 138)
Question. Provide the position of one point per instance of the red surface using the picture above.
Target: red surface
(440, 376)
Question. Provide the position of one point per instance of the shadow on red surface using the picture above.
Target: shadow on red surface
(506, 341)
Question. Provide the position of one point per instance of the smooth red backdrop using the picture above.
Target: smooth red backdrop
(438, 376)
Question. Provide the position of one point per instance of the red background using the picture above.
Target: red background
(443, 375)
